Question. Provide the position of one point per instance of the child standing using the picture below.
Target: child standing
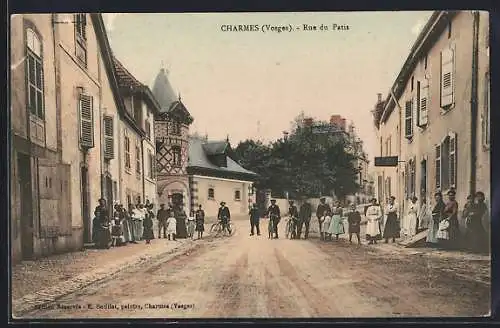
(325, 226)
(191, 224)
(116, 231)
(171, 227)
(354, 220)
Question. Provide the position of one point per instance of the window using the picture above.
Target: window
(412, 82)
(127, 153)
(423, 96)
(447, 78)
(438, 166)
(446, 162)
(151, 165)
(423, 178)
(34, 72)
(86, 111)
(176, 128)
(237, 195)
(211, 193)
(137, 159)
(176, 153)
(485, 115)
(425, 62)
(411, 176)
(148, 129)
(409, 119)
(109, 141)
(380, 187)
(137, 109)
(81, 38)
(388, 187)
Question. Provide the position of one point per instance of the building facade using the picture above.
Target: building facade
(441, 102)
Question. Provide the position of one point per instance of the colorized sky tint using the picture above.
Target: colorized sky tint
(253, 84)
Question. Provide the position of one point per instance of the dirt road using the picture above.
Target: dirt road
(243, 276)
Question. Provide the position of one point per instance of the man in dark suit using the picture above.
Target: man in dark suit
(305, 214)
(273, 212)
(323, 207)
(254, 220)
(224, 216)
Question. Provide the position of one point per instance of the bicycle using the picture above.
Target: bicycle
(270, 226)
(290, 229)
(218, 228)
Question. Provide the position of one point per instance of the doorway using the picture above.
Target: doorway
(25, 183)
(177, 199)
(84, 187)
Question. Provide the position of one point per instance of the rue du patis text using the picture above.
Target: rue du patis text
(269, 28)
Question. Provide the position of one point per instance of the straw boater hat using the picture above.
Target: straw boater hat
(222, 203)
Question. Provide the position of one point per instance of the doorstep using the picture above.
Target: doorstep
(99, 264)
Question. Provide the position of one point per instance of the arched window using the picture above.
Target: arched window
(34, 74)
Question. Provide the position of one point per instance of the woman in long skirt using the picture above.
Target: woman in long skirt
(336, 225)
(436, 214)
(452, 238)
(373, 215)
(147, 233)
(411, 218)
(391, 229)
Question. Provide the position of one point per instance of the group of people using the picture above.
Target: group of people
(136, 224)
(441, 220)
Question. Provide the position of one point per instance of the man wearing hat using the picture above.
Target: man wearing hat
(293, 212)
(224, 216)
(273, 212)
(322, 209)
(305, 213)
(162, 217)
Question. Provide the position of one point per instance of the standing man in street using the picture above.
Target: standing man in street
(254, 219)
(162, 216)
(323, 207)
(305, 214)
(273, 213)
(293, 212)
(224, 216)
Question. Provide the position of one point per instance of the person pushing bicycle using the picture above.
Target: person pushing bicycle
(273, 212)
(293, 213)
(224, 216)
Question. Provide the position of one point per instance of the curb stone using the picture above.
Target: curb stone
(35, 300)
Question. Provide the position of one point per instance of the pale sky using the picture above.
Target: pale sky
(253, 84)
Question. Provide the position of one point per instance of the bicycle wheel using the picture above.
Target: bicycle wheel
(214, 227)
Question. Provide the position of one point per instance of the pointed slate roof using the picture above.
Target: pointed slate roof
(163, 91)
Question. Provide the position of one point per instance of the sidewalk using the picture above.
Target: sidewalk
(40, 281)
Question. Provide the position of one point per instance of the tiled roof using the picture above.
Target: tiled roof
(124, 77)
(198, 157)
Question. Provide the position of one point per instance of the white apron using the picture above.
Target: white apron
(373, 215)
(171, 225)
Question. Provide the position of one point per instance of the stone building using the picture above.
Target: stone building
(439, 106)
(136, 139)
(172, 143)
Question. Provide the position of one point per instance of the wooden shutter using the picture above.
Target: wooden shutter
(424, 98)
(109, 141)
(86, 105)
(438, 166)
(452, 160)
(445, 163)
(409, 119)
(447, 77)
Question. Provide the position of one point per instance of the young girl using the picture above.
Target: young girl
(148, 229)
(116, 230)
(191, 224)
(326, 225)
(171, 227)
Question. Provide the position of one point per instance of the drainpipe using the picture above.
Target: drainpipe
(101, 148)
(143, 171)
(398, 176)
(473, 103)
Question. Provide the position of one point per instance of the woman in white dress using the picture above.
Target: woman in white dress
(171, 226)
(373, 215)
(411, 218)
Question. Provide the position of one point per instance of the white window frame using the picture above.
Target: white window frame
(423, 106)
(34, 54)
(448, 104)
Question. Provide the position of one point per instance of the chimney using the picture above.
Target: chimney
(379, 96)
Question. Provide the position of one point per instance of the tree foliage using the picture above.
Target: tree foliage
(306, 163)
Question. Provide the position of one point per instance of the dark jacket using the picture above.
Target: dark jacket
(321, 210)
(305, 211)
(224, 212)
(254, 214)
(274, 210)
(293, 211)
(162, 215)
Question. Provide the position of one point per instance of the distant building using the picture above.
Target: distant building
(438, 121)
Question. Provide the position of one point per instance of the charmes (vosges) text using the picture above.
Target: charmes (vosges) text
(281, 28)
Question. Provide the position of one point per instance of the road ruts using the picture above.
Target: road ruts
(253, 277)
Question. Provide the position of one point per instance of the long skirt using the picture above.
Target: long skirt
(325, 225)
(432, 232)
(200, 225)
(391, 226)
(451, 237)
(148, 233)
(190, 228)
(411, 224)
(336, 225)
(127, 236)
(372, 229)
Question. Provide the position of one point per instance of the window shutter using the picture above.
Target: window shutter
(86, 121)
(438, 166)
(453, 160)
(109, 141)
(447, 77)
(424, 98)
(409, 119)
(445, 163)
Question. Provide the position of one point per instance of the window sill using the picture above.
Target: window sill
(445, 110)
(423, 127)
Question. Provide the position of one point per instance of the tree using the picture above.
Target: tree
(306, 163)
